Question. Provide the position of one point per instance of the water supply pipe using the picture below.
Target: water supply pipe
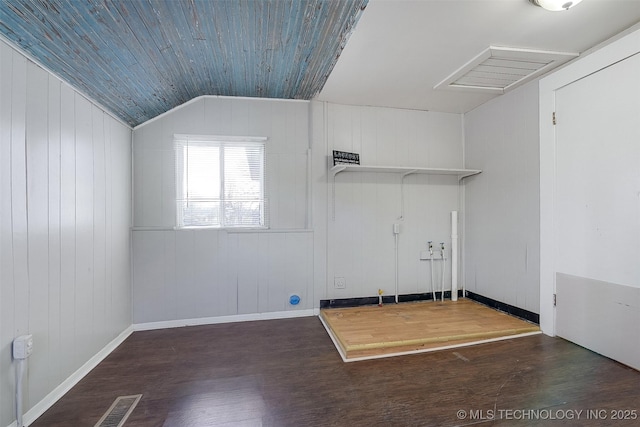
(443, 271)
(433, 287)
(396, 233)
(454, 256)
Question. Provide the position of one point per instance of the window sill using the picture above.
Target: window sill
(229, 230)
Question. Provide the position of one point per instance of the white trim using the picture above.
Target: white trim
(179, 323)
(226, 230)
(182, 138)
(39, 408)
(49, 400)
(198, 98)
(185, 180)
(623, 47)
(268, 230)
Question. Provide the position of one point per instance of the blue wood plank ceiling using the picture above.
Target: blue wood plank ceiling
(140, 58)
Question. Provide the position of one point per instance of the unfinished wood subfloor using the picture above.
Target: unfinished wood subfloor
(372, 331)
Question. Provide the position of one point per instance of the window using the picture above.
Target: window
(220, 181)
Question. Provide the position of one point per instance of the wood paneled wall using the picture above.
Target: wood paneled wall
(197, 274)
(360, 237)
(502, 241)
(285, 123)
(186, 274)
(65, 243)
(208, 273)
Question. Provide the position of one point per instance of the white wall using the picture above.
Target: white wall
(319, 197)
(360, 241)
(64, 224)
(188, 274)
(201, 274)
(285, 123)
(502, 241)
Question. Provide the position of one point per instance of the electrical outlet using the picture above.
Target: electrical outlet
(339, 282)
(22, 347)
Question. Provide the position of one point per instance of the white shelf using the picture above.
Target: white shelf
(404, 171)
(460, 173)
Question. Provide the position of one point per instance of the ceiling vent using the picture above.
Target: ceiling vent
(500, 69)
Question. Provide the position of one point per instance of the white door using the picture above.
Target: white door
(597, 213)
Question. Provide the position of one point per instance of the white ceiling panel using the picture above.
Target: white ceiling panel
(401, 49)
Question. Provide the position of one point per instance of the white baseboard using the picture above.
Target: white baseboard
(225, 319)
(39, 408)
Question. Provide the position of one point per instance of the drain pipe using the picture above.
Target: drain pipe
(396, 233)
(433, 286)
(22, 348)
(443, 271)
(454, 256)
(19, 375)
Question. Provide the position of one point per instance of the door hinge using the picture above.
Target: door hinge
(553, 118)
(555, 300)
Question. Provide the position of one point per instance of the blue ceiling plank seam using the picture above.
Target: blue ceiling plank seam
(141, 58)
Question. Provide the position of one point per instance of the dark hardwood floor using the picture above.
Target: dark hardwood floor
(287, 373)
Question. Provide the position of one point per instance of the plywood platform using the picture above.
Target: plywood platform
(371, 332)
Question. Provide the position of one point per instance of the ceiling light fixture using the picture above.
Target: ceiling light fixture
(555, 5)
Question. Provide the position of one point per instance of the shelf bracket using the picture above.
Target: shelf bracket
(337, 169)
(466, 175)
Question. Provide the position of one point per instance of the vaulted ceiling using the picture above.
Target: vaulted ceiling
(140, 58)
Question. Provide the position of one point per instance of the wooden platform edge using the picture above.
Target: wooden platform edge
(334, 339)
(419, 341)
(340, 339)
(428, 350)
(343, 354)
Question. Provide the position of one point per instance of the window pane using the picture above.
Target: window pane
(243, 172)
(203, 172)
(199, 213)
(244, 213)
(219, 183)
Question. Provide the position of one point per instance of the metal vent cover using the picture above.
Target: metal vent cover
(500, 69)
(119, 411)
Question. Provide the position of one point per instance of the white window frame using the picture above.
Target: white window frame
(182, 142)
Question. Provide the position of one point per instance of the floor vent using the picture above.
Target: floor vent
(119, 411)
(500, 69)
